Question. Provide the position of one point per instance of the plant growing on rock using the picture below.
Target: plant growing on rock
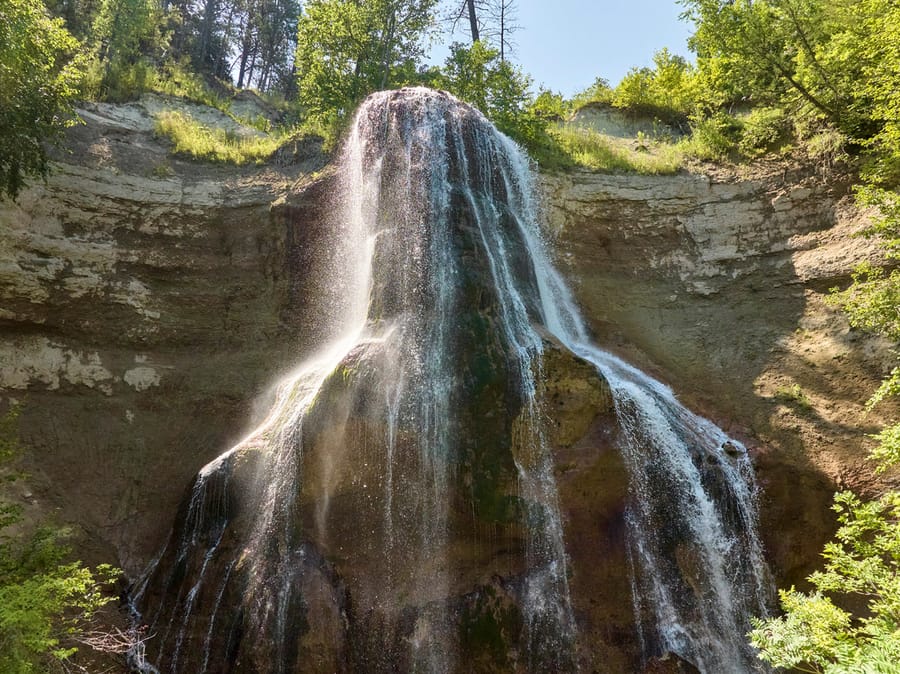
(47, 605)
(815, 634)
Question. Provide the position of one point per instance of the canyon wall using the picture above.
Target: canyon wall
(148, 306)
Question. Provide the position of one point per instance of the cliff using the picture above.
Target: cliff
(148, 305)
(719, 286)
(142, 317)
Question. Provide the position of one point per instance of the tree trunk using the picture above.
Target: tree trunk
(386, 50)
(473, 20)
(502, 31)
(246, 48)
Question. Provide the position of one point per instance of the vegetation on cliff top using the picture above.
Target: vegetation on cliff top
(778, 76)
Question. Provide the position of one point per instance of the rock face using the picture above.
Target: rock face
(147, 306)
(140, 315)
(719, 288)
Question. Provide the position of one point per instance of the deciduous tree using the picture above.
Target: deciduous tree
(347, 49)
(39, 74)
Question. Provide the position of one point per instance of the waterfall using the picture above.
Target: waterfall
(403, 484)
(691, 515)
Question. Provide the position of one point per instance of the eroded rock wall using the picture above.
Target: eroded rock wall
(718, 287)
(140, 318)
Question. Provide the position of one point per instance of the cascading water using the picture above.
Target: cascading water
(403, 482)
(692, 518)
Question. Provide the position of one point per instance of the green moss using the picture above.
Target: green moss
(488, 468)
(488, 630)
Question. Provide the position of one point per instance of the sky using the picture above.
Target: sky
(566, 44)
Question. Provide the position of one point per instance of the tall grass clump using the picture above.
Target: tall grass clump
(196, 141)
(590, 149)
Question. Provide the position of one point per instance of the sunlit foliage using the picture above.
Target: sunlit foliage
(39, 74)
(46, 602)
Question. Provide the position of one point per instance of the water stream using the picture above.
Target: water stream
(350, 507)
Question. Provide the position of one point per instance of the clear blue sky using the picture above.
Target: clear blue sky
(566, 44)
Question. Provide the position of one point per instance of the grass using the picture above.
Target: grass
(578, 146)
(196, 141)
(176, 80)
(795, 396)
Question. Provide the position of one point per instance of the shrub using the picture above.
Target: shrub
(598, 92)
(793, 395)
(550, 106)
(763, 130)
(816, 635)
(712, 138)
(46, 604)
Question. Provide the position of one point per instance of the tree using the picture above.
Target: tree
(468, 9)
(499, 89)
(490, 21)
(128, 35)
(500, 26)
(761, 49)
(78, 15)
(39, 75)
(265, 45)
(347, 49)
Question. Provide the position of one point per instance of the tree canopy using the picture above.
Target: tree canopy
(39, 74)
(346, 50)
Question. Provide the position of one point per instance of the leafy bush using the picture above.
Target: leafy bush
(762, 130)
(598, 92)
(550, 106)
(46, 604)
(177, 79)
(664, 91)
(122, 82)
(827, 145)
(793, 395)
(712, 138)
(129, 37)
(636, 90)
(815, 635)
